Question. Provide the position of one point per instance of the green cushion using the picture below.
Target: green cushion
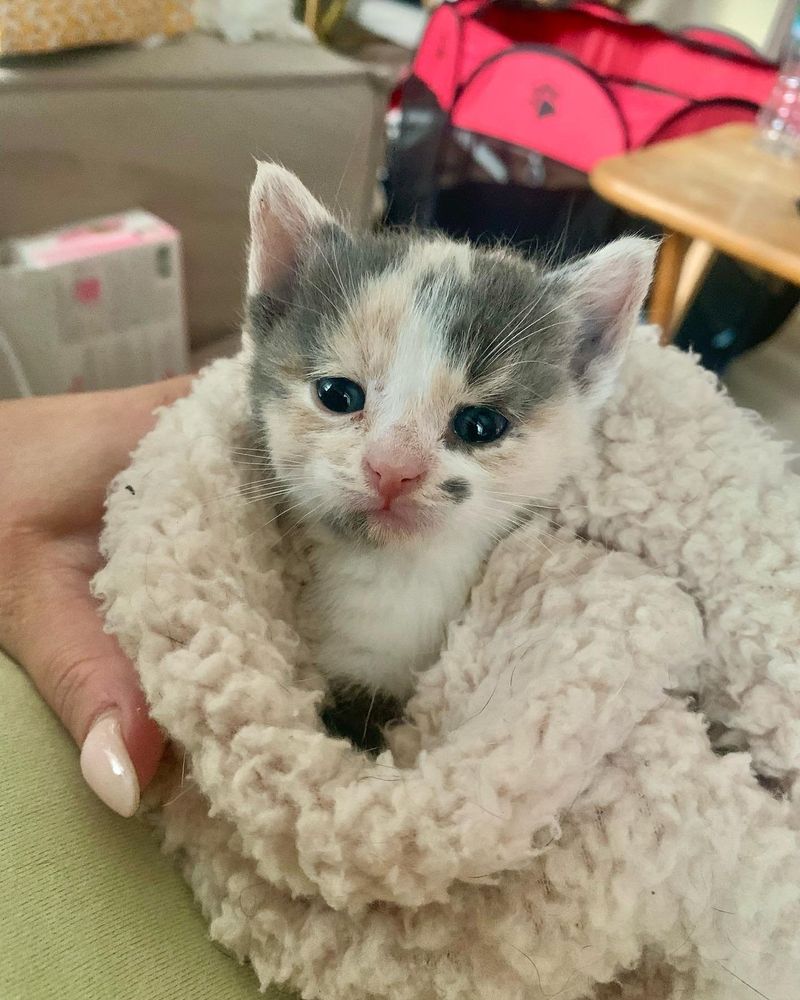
(89, 907)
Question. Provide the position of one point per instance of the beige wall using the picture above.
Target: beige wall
(750, 18)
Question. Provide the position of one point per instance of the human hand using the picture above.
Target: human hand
(57, 456)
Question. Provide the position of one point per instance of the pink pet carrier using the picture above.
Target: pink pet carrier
(527, 98)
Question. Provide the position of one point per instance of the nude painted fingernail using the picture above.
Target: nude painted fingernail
(107, 768)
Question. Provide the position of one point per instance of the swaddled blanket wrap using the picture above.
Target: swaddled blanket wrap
(594, 796)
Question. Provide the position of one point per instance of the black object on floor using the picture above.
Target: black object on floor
(736, 309)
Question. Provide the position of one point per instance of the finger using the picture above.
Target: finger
(146, 399)
(125, 416)
(92, 687)
(73, 447)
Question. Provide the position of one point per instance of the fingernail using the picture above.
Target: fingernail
(107, 768)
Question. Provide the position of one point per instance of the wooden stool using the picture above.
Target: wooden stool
(714, 191)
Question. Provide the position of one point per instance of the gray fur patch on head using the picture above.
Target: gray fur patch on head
(517, 335)
(290, 332)
(503, 326)
(521, 336)
(506, 330)
(458, 489)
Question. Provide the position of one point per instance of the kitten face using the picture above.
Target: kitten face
(413, 327)
(408, 386)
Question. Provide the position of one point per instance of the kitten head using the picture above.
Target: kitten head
(408, 384)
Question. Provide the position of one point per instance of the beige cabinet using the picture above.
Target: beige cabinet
(175, 130)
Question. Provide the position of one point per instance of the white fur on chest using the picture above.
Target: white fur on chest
(379, 615)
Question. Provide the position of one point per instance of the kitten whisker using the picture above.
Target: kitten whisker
(545, 503)
(246, 500)
(349, 294)
(525, 334)
(259, 490)
(299, 521)
(281, 513)
(539, 361)
(525, 510)
(520, 334)
(514, 525)
(497, 341)
(273, 498)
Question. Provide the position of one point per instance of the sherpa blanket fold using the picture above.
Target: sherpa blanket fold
(595, 793)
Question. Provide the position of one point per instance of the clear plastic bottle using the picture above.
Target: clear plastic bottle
(779, 118)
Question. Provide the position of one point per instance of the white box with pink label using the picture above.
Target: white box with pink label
(97, 305)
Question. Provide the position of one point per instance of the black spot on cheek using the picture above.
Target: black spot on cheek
(458, 489)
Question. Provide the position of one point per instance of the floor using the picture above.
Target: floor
(767, 380)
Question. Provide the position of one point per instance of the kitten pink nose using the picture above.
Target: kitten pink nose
(393, 475)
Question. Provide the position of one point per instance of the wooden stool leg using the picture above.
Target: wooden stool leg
(699, 258)
(668, 272)
(311, 14)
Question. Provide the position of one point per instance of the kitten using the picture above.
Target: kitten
(417, 399)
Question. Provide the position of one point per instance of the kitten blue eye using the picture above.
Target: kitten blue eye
(340, 395)
(479, 424)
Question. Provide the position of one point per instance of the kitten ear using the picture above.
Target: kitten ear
(283, 214)
(608, 289)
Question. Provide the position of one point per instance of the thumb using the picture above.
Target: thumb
(92, 686)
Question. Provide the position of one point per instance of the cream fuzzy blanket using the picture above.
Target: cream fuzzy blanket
(555, 823)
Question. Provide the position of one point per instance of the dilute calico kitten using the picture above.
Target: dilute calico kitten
(417, 399)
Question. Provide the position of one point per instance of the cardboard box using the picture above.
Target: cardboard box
(50, 25)
(97, 305)
(13, 383)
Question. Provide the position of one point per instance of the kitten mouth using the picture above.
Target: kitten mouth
(366, 518)
(405, 518)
